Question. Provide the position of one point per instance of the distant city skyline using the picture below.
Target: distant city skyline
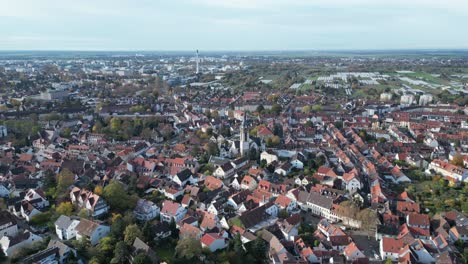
(237, 25)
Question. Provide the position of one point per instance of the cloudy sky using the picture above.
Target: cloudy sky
(232, 24)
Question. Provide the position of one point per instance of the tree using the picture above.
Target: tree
(117, 197)
(98, 190)
(273, 141)
(388, 261)
(188, 248)
(348, 209)
(40, 219)
(65, 208)
(307, 109)
(212, 149)
(141, 258)
(258, 248)
(457, 160)
(276, 109)
(115, 124)
(147, 231)
(368, 219)
(83, 213)
(283, 214)
(118, 226)
(260, 108)
(65, 179)
(106, 245)
(316, 108)
(120, 253)
(2, 255)
(131, 232)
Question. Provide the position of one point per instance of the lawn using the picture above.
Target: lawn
(165, 252)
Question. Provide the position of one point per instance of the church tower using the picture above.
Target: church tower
(244, 138)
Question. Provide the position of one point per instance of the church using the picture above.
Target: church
(245, 143)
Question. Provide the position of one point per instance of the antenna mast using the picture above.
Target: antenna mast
(197, 63)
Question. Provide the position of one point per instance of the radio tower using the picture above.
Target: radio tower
(197, 63)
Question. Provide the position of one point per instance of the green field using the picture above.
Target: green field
(425, 77)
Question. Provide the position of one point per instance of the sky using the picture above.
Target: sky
(160, 25)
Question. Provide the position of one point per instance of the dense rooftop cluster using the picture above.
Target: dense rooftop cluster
(138, 160)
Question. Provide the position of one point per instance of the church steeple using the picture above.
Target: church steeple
(244, 138)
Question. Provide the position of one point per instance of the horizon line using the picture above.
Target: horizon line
(234, 50)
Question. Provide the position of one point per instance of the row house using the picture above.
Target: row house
(94, 203)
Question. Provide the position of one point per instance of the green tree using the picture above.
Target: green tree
(106, 245)
(147, 231)
(120, 253)
(65, 208)
(131, 232)
(115, 124)
(117, 198)
(188, 248)
(260, 108)
(141, 258)
(84, 213)
(276, 109)
(258, 249)
(283, 214)
(65, 179)
(118, 227)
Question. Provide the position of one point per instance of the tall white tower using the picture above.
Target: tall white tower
(244, 138)
(196, 61)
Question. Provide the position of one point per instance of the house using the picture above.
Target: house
(11, 244)
(216, 207)
(351, 182)
(91, 230)
(8, 224)
(172, 211)
(161, 230)
(317, 204)
(239, 163)
(183, 177)
(404, 208)
(145, 210)
(352, 252)
(140, 247)
(236, 200)
(212, 183)
(188, 230)
(459, 233)
(248, 183)
(65, 227)
(418, 220)
(5, 189)
(94, 203)
(286, 203)
(449, 170)
(284, 169)
(213, 241)
(268, 156)
(64, 251)
(289, 226)
(224, 171)
(37, 198)
(27, 210)
(390, 248)
(48, 255)
(301, 180)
